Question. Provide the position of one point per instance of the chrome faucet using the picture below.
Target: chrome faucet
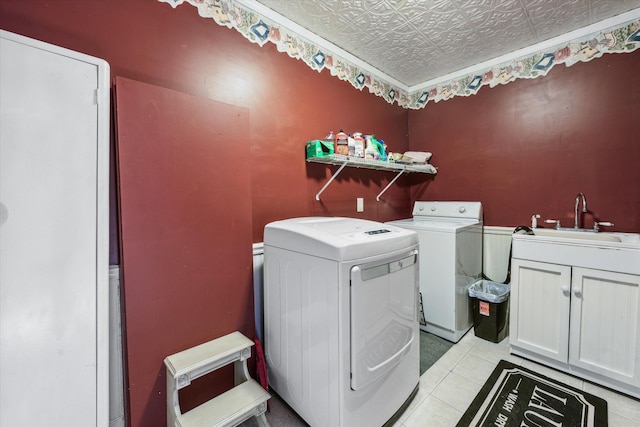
(584, 208)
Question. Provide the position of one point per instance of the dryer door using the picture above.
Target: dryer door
(383, 316)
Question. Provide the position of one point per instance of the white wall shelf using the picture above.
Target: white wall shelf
(357, 162)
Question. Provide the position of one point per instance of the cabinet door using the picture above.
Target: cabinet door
(53, 236)
(540, 302)
(604, 323)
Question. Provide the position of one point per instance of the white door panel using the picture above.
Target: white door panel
(51, 240)
(605, 314)
(383, 317)
(540, 304)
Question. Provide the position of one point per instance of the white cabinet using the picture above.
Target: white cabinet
(604, 324)
(54, 295)
(579, 320)
(540, 308)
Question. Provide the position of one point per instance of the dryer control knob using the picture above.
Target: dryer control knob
(462, 209)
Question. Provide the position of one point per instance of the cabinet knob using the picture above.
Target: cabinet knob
(565, 289)
(577, 292)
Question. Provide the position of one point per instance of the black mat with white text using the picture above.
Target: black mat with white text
(515, 396)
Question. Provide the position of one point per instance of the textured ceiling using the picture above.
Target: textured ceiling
(416, 41)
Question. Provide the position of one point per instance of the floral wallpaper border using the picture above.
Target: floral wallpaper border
(259, 29)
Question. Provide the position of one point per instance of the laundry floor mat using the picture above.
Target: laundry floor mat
(515, 396)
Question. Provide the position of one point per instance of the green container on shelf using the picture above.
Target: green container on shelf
(319, 148)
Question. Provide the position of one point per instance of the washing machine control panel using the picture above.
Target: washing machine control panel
(382, 230)
(466, 210)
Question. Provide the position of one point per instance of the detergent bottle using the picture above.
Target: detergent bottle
(381, 147)
(370, 152)
(342, 143)
(331, 138)
(359, 147)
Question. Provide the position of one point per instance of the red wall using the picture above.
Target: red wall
(530, 146)
(290, 104)
(523, 148)
(287, 104)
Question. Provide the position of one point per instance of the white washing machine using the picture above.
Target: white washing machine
(342, 338)
(450, 235)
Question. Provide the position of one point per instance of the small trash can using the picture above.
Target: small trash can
(490, 303)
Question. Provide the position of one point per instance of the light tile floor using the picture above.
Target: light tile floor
(449, 386)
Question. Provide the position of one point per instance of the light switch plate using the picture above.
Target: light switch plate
(359, 204)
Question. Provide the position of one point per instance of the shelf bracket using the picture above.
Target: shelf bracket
(330, 180)
(388, 185)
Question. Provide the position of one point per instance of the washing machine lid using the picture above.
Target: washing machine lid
(446, 225)
(338, 238)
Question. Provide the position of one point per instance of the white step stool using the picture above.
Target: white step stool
(245, 400)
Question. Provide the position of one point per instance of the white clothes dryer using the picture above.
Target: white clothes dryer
(450, 236)
(342, 339)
